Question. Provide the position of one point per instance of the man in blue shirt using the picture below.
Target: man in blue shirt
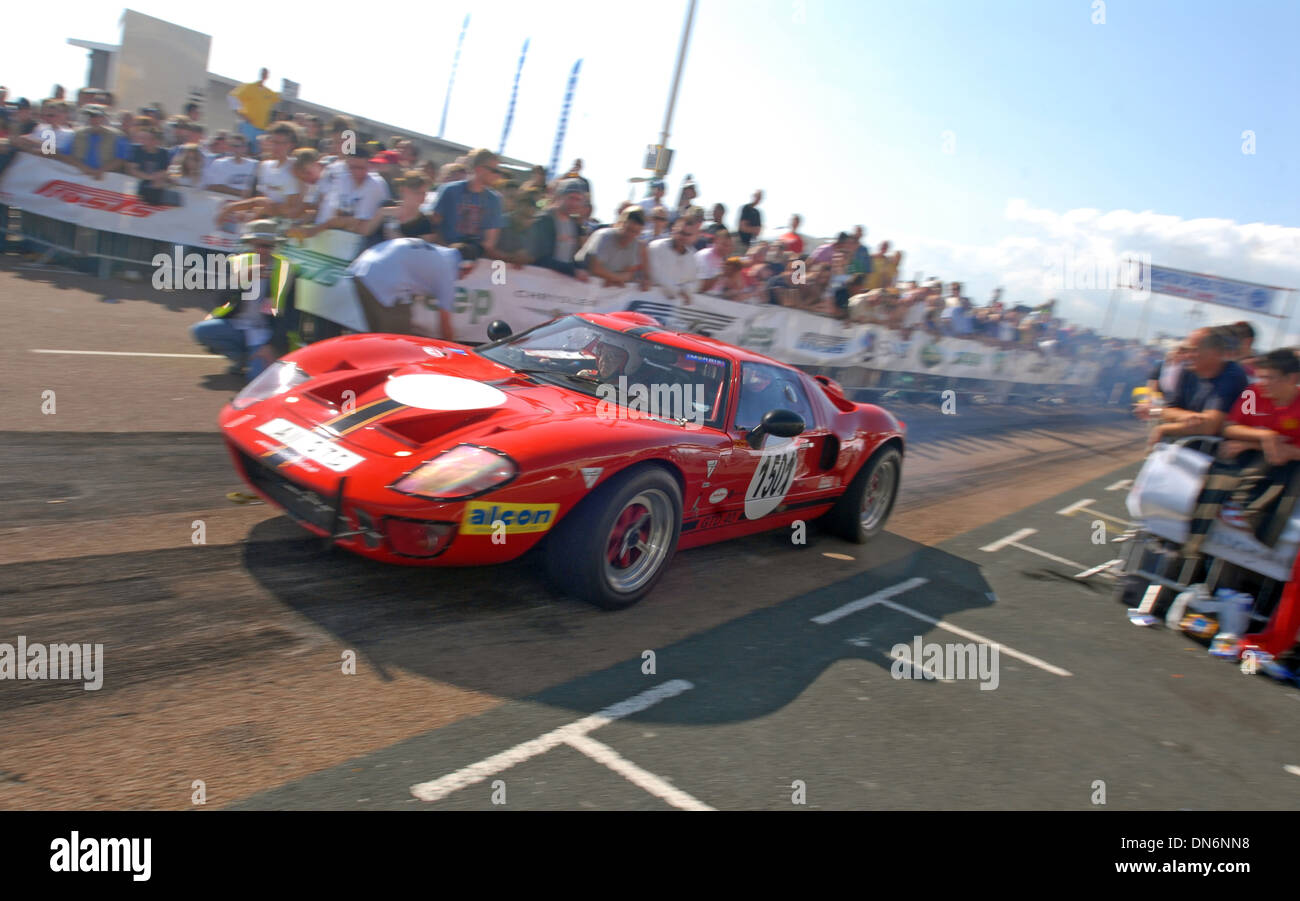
(1207, 389)
(469, 211)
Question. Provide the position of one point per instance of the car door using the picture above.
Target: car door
(755, 483)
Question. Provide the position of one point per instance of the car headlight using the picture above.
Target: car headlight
(275, 379)
(462, 472)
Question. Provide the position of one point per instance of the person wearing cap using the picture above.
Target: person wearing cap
(252, 328)
(93, 144)
(575, 172)
(469, 211)
(555, 235)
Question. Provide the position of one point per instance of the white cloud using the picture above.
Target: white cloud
(1076, 256)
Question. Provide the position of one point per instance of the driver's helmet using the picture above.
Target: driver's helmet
(628, 359)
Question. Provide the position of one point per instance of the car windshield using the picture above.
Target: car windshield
(656, 379)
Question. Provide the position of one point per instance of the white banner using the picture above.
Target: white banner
(1212, 289)
(530, 296)
(60, 191)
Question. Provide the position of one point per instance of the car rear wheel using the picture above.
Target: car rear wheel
(613, 548)
(864, 507)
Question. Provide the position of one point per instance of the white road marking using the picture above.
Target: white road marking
(1120, 485)
(1292, 769)
(1098, 568)
(1082, 506)
(863, 603)
(1003, 542)
(957, 630)
(907, 659)
(1077, 505)
(604, 754)
(126, 353)
(477, 772)
(1034, 550)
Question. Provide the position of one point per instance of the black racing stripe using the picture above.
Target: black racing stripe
(358, 418)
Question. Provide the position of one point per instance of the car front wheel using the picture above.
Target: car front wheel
(613, 548)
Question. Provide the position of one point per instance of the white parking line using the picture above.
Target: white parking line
(879, 597)
(883, 596)
(1010, 539)
(126, 353)
(1120, 485)
(604, 754)
(477, 772)
(1082, 505)
(1098, 568)
(1013, 540)
(973, 636)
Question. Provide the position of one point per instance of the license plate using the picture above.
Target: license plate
(308, 444)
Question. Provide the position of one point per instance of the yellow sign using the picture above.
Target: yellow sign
(480, 517)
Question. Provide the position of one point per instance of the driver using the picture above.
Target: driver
(612, 360)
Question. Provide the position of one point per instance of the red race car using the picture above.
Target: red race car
(604, 438)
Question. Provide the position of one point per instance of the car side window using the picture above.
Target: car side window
(764, 388)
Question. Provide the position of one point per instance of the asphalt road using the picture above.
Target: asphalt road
(226, 630)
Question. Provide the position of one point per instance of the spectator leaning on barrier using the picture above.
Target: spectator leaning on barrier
(186, 169)
(391, 276)
(253, 103)
(405, 219)
(252, 328)
(672, 265)
(233, 173)
(1207, 389)
(355, 202)
(1249, 480)
(553, 239)
(149, 163)
(711, 261)
(614, 254)
(469, 211)
(94, 145)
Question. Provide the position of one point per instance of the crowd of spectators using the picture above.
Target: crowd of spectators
(314, 175)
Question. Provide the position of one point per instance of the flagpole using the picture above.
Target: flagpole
(442, 126)
(677, 78)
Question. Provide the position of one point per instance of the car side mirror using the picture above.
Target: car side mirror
(498, 329)
(781, 423)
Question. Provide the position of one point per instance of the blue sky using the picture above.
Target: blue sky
(840, 111)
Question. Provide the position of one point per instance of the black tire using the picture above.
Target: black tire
(587, 555)
(846, 519)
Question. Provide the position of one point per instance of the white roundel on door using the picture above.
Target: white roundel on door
(772, 479)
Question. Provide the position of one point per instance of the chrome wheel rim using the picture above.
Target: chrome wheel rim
(638, 541)
(879, 494)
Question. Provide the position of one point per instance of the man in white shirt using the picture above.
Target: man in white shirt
(231, 174)
(275, 179)
(672, 261)
(354, 200)
(389, 277)
(710, 260)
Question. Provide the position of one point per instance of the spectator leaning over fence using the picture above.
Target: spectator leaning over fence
(553, 239)
(252, 328)
(149, 163)
(469, 211)
(186, 169)
(672, 264)
(614, 254)
(354, 203)
(404, 220)
(253, 103)
(750, 224)
(392, 276)
(233, 173)
(711, 261)
(1249, 482)
(274, 179)
(94, 145)
(1207, 390)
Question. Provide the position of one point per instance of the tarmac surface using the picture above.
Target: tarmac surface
(224, 660)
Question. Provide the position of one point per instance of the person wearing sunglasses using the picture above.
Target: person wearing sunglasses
(470, 211)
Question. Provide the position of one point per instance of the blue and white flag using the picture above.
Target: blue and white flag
(455, 60)
(514, 92)
(564, 120)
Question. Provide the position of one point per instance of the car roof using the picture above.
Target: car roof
(641, 325)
